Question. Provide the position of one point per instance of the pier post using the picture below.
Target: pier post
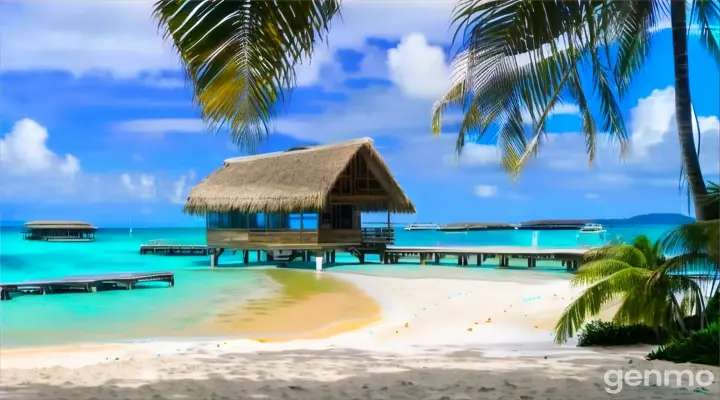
(479, 259)
(4, 294)
(332, 257)
(318, 260)
(246, 256)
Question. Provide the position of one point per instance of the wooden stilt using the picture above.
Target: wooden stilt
(479, 259)
(246, 256)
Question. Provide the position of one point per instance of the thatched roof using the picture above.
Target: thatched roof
(59, 225)
(291, 181)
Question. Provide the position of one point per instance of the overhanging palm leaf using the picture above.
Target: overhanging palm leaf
(554, 38)
(241, 54)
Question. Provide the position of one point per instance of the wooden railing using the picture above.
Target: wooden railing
(378, 235)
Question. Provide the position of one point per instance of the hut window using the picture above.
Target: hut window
(310, 221)
(278, 221)
(257, 221)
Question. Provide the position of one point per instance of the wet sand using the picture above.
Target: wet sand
(308, 305)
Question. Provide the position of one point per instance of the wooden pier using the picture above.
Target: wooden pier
(85, 283)
(570, 258)
(176, 250)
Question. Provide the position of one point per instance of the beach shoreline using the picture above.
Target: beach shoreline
(436, 339)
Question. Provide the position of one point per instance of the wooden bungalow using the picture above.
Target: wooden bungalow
(59, 231)
(306, 199)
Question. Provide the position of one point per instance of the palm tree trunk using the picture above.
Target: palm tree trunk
(704, 210)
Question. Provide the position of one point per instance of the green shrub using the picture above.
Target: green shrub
(601, 333)
(700, 347)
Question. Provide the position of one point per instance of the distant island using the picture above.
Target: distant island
(570, 224)
(649, 219)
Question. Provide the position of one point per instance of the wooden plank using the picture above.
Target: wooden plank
(350, 236)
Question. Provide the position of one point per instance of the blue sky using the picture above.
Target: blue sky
(97, 124)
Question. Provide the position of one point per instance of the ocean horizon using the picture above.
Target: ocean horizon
(202, 293)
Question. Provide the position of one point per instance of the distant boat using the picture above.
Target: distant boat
(422, 227)
(592, 228)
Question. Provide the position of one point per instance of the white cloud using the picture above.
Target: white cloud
(559, 109)
(418, 68)
(654, 160)
(156, 127)
(32, 171)
(142, 186)
(486, 190)
(84, 36)
(181, 187)
(480, 154)
(24, 151)
(121, 38)
(592, 196)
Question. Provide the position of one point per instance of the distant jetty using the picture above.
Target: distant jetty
(475, 226)
(59, 231)
(554, 224)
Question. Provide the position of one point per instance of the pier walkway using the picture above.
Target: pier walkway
(84, 283)
(569, 257)
(176, 249)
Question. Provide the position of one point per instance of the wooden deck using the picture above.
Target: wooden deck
(569, 257)
(84, 283)
(176, 250)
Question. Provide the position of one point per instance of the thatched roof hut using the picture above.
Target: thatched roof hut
(59, 225)
(299, 179)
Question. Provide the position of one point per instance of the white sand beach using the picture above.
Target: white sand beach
(440, 339)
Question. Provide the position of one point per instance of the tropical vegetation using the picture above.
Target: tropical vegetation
(608, 333)
(700, 347)
(637, 279)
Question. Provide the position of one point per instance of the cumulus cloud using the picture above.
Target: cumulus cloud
(486, 190)
(24, 151)
(418, 68)
(157, 127)
(142, 186)
(121, 37)
(82, 37)
(32, 171)
(181, 187)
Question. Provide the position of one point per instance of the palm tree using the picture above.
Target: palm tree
(240, 55)
(636, 277)
(555, 39)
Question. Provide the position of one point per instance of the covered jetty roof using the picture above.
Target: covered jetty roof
(291, 181)
(59, 225)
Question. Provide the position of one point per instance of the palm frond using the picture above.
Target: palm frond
(707, 15)
(592, 300)
(597, 270)
(626, 253)
(552, 37)
(241, 55)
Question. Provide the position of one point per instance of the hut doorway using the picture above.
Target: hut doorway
(343, 216)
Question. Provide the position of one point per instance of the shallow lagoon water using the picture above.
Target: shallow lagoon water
(201, 294)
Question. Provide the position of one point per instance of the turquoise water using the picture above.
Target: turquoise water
(199, 291)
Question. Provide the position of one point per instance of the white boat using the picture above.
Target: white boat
(421, 227)
(593, 233)
(592, 228)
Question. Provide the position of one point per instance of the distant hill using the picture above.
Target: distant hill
(649, 219)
